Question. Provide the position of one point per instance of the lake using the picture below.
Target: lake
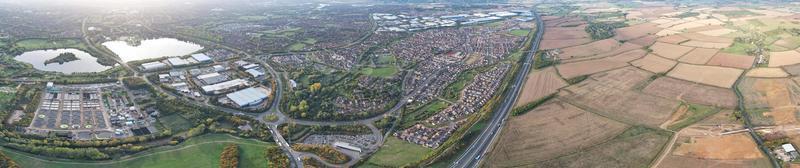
(85, 62)
(152, 48)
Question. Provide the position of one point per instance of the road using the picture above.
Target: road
(473, 155)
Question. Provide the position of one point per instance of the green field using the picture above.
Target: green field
(453, 91)
(386, 59)
(396, 153)
(384, 72)
(253, 18)
(738, 48)
(202, 151)
(175, 122)
(410, 118)
(297, 46)
(737, 13)
(520, 32)
(281, 33)
(310, 41)
(37, 44)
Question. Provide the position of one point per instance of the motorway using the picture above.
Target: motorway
(473, 155)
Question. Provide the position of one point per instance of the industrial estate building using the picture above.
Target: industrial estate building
(248, 97)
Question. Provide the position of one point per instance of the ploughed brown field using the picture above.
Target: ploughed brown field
(532, 137)
(672, 88)
(772, 101)
(540, 84)
(615, 100)
(732, 60)
(710, 75)
(575, 69)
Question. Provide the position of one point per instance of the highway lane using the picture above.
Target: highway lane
(473, 155)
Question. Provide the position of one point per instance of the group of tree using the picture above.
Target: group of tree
(6, 162)
(276, 157)
(60, 152)
(229, 158)
(291, 129)
(62, 58)
(327, 152)
(603, 30)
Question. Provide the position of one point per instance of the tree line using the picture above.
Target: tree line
(229, 158)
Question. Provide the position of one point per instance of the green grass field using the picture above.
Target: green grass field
(410, 118)
(37, 44)
(310, 41)
(384, 72)
(396, 153)
(520, 32)
(253, 18)
(737, 13)
(297, 46)
(387, 59)
(202, 151)
(175, 122)
(281, 33)
(738, 48)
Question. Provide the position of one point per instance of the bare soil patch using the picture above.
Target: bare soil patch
(767, 73)
(703, 44)
(725, 147)
(590, 49)
(624, 105)
(682, 161)
(672, 88)
(717, 32)
(771, 100)
(673, 39)
(698, 56)
(732, 60)
(645, 40)
(633, 148)
(711, 75)
(540, 84)
(636, 31)
(553, 44)
(671, 51)
(551, 130)
(575, 69)
(624, 78)
(558, 33)
(654, 63)
(783, 58)
(626, 47)
(792, 69)
(706, 38)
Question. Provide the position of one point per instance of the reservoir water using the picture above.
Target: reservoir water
(85, 62)
(152, 48)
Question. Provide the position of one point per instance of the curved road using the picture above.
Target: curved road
(473, 155)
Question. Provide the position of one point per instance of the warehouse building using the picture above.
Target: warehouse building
(248, 97)
(224, 86)
(201, 58)
(255, 73)
(175, 61)
(212, 78)
(152, 66)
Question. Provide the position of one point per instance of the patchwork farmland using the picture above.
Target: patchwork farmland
(685, 79)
